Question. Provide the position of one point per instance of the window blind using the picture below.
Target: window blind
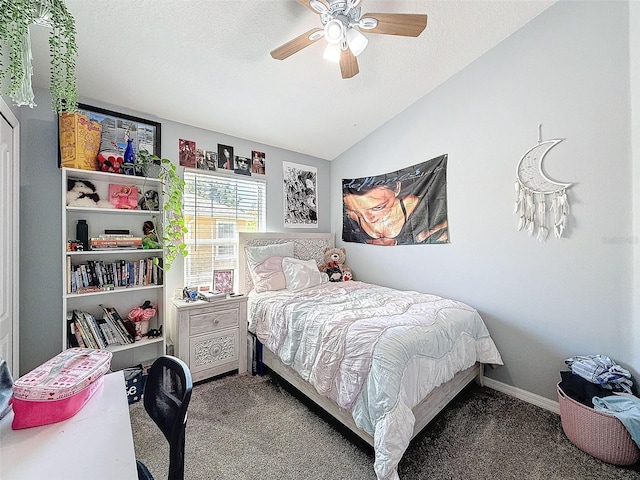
(215, 209)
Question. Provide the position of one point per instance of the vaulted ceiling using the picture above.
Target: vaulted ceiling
(206, 63)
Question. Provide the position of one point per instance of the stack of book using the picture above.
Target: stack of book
(95, 275)
(85, 330)
(108, 241)
(124, 328)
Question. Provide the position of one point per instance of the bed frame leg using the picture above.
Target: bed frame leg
(480, 377)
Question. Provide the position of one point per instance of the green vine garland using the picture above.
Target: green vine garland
(172, 189)
(17, 16)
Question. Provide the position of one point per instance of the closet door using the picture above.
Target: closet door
(9, 244)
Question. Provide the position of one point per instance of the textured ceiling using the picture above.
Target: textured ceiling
(206, 63)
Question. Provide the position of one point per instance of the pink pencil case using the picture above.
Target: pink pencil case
(59, 388)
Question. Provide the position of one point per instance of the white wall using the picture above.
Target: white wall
(569, 70)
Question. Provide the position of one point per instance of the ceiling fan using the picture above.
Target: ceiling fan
(343, 22)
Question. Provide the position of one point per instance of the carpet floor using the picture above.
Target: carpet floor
(249, 427)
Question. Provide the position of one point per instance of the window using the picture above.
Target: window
(215, 209)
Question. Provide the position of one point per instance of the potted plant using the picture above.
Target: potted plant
(149, 165)
(15, 45)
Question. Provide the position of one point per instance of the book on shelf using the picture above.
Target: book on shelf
(107, 332)
(96, 275)
(106, 243)
(125, 327)
(82, 325)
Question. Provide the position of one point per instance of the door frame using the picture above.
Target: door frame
(6, 113)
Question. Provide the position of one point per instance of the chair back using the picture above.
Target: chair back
(167, 393)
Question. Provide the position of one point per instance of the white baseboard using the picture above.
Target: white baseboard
(523, 395)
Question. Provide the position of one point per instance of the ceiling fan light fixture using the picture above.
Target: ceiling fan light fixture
(334, 30)
(368, 23)
(318, 6)
(357, 41)
(332, 52)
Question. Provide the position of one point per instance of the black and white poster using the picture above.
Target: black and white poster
(300, 195)
(405, 207)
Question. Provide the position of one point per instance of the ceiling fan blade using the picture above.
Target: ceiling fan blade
(348, 64)
(297, 44)
(307, 4)
(405, 24)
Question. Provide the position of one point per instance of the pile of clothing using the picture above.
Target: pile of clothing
(598, 382)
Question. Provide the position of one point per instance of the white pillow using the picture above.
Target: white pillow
(301, 274)
(265, 265)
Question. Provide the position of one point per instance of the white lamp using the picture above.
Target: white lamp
(332, 52)
(357, 41)
(334, 30)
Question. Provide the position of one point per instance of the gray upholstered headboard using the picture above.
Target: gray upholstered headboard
(307, 246)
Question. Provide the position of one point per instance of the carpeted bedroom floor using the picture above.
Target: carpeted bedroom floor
(250, 427)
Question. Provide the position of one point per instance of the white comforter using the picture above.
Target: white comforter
(375, 351)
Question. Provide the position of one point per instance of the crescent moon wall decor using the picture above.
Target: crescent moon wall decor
(534, 188)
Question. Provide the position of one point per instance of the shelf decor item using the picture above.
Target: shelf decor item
(79, 141)
(129, 158)
(15, 42)
(172, 189)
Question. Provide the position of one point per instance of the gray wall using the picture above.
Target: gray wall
(41, 210)
(569, 70)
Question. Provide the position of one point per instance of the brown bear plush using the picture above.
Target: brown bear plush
(334, 265)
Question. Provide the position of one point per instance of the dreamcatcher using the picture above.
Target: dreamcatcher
(535, 191)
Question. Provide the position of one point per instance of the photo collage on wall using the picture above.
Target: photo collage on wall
(221, 160)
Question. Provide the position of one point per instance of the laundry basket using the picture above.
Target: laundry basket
(596, 433)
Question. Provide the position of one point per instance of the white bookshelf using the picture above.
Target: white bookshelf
(122, 298)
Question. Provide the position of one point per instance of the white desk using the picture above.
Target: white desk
(96, 443)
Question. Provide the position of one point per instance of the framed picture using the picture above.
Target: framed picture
(300, 195)
(225, 157)
(187, 153)
(223, 281)
(257, 162)
(242, 166)
(206, 159)
(117, 128)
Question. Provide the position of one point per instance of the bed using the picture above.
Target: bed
(380, 361)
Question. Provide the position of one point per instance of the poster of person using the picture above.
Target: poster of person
(257, 162)
(225, 157)
(300, 195)
(242, 166)
(187, 153)
(405, 207)
(206, 159)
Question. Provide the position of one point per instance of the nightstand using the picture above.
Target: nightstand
(211, 337)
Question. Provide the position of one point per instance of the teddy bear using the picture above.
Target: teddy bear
(334, 265)
(82, 193)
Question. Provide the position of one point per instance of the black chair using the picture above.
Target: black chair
(166, 398)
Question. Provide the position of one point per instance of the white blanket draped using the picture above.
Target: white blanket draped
(374, 351)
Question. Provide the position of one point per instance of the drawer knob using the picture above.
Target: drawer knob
(216, 321)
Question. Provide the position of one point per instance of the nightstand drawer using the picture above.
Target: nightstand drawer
(211, 337)
(212, 350)
(211, 320)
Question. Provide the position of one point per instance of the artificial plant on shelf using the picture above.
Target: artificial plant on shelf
(149, 165)
(15, 51)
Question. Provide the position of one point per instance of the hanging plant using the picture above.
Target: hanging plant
(15, 46)
(173, 227)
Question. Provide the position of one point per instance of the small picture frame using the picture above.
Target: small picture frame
(187, 153)
(223, 281)
(258, 162)
(225, 157)
(242, 166)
